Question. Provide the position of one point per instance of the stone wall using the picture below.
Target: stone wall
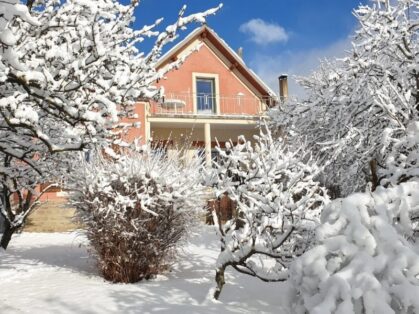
(52, 216)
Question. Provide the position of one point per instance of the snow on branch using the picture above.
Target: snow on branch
(402, 163)
(278, 204)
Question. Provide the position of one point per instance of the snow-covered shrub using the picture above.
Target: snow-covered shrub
(278, 206)
(136, 210)
(355, 104)
(367, 257)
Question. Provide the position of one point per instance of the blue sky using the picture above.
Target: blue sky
(278, 36)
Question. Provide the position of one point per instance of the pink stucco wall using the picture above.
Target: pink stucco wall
(180, 82)
(133, 133)
(129, 137)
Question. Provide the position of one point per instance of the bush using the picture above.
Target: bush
(366, 260)
(136, 210)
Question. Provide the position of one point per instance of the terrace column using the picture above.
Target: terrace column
(147, 126)
(147, 130)
(207, 130)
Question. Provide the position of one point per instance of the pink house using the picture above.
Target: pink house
(213, 96)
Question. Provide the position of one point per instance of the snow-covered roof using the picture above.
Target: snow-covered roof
(215, 37)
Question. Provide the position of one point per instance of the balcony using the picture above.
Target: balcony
(204, 105)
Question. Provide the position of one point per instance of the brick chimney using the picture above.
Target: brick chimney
(283, 87)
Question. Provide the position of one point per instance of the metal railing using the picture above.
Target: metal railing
(208, 105)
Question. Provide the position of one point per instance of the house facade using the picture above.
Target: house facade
(212, 97)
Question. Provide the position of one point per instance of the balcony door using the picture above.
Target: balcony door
(205, 95)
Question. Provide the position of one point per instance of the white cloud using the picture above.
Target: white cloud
(300, 63)
(264, 33)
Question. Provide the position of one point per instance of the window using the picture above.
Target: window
(205, 95)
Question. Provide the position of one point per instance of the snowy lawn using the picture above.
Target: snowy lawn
(52, 273)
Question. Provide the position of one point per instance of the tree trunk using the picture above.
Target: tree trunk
(417, 90)
(7, 235)
(219, 278)
(374, 176)
(29, 4)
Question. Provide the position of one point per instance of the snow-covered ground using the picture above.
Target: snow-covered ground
(52, 273)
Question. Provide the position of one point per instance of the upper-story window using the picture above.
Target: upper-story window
(205, 95)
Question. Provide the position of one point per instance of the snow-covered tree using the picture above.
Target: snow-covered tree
(367, 257)
(278, 204)
(402, 163)
(356, 105)
(68, 75)
(137, 209)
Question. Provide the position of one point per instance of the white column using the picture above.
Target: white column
(147, 129)
(146, 114)
(208, 144)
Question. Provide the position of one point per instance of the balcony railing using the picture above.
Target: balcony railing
(207, 105)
